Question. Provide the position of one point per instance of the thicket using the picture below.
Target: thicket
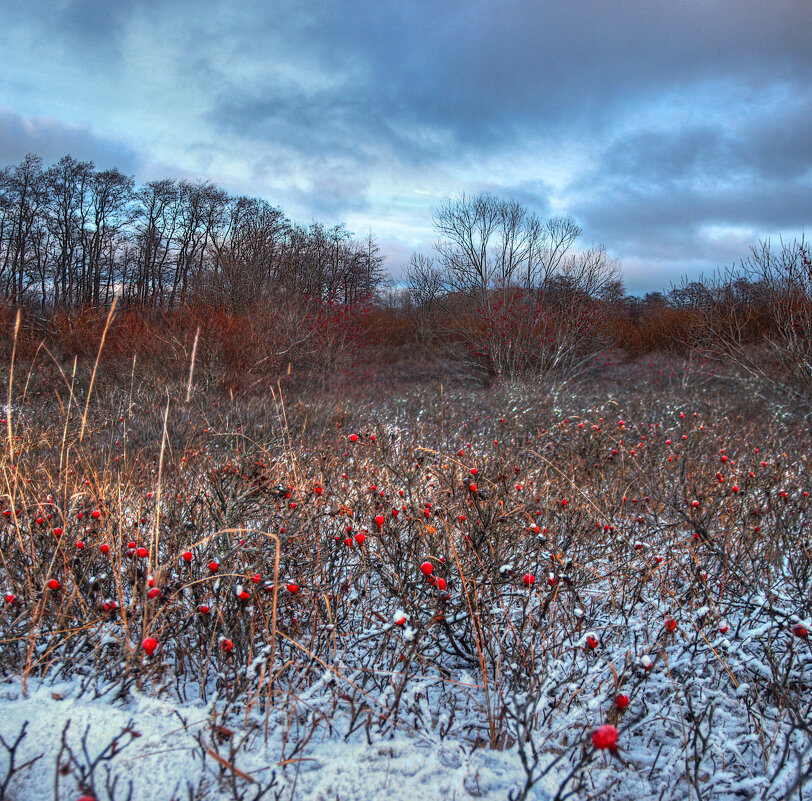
(506, 295)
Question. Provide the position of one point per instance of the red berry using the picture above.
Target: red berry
(360, 538)
(292, 588)
(427, 568)
(95, 514)
(670, 625)
(226, 645)
(605, 737)
(142, 552)
(104, 548)
(472, 487)
(529, 579)
(53, 584)
(149, 645)
(213, 567)
(58, 531)
(622, 701)
(379, 521)
(353, 437)
(187, 556)
(799, 630)
(203, 609)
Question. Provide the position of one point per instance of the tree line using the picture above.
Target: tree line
(504, 291)
(74, 236)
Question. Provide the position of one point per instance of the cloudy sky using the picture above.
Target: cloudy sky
(676, 133)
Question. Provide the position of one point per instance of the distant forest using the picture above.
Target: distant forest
(72, 236)
(505, 293)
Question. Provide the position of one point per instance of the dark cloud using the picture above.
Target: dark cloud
(91, 30)
(484, 70)
(700, 193)
(640, 218)
(333, 196)
(51, 139)
(773, 146)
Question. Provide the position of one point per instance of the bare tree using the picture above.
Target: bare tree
(518, 272)
(68, 189)
(426, 285)
(247, 256)
(111, 211)
(589, 272)
(560, 234)
(22, 200)
(757, 316)
(155, 233)
(486, 242)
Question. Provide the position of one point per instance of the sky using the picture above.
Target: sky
(676, 134)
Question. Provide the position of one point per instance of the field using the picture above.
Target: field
(598, 588)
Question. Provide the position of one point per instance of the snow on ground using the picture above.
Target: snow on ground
(166, 758)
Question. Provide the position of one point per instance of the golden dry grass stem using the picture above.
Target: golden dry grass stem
(158, 492)
(10, 386)
(132, 384)
(62, 452)
(290, 456)
(229, 766)
(192, 366)
(96, 366)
